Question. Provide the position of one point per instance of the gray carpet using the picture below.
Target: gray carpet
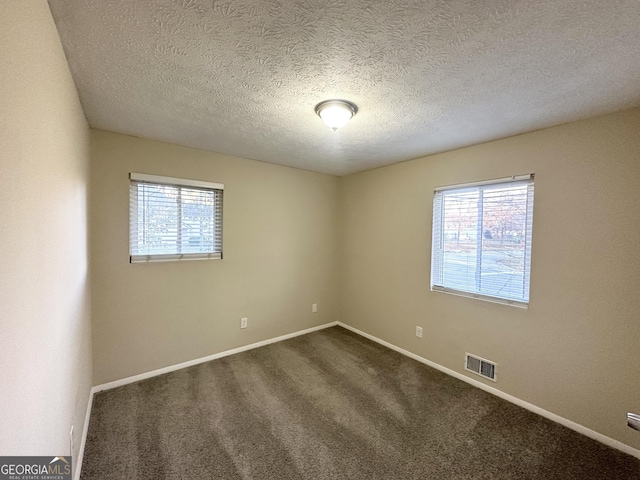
(329, 405)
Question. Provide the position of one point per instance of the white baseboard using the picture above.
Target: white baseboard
(190, 363)
(505, 396)
(85, 430)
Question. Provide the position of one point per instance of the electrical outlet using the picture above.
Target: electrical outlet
(419, 332)
(314, 308)
(71, 442)
(243, 322)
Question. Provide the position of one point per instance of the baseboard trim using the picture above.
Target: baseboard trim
(505, 396)
(197, 361)
(85, 431)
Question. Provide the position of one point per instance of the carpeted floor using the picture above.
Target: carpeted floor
(329, 405)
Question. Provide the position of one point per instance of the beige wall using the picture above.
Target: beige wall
(576, 350)
(279, 258)
(45, 337)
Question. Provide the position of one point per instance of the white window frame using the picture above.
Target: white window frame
(135, 256)
(438, 234)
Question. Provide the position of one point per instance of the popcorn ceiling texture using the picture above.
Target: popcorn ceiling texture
(242, 77)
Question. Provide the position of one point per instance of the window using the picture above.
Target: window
(481, 244)
(174, 219)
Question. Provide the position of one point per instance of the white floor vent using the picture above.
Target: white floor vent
(480, 366)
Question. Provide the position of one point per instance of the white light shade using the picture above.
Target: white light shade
(336, 113)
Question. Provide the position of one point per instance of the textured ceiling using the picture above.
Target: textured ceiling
(242, 77)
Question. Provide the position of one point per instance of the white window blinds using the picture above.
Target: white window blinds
(481, 245)
(174, 219)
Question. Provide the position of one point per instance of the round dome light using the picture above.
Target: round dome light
(336, 113)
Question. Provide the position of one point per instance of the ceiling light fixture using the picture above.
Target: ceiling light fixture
(336, 113)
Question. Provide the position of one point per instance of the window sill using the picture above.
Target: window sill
(174, 258)
(485, 298)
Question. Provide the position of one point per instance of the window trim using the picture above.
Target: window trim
(178, 182)
(527, 178)
(175, 182)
